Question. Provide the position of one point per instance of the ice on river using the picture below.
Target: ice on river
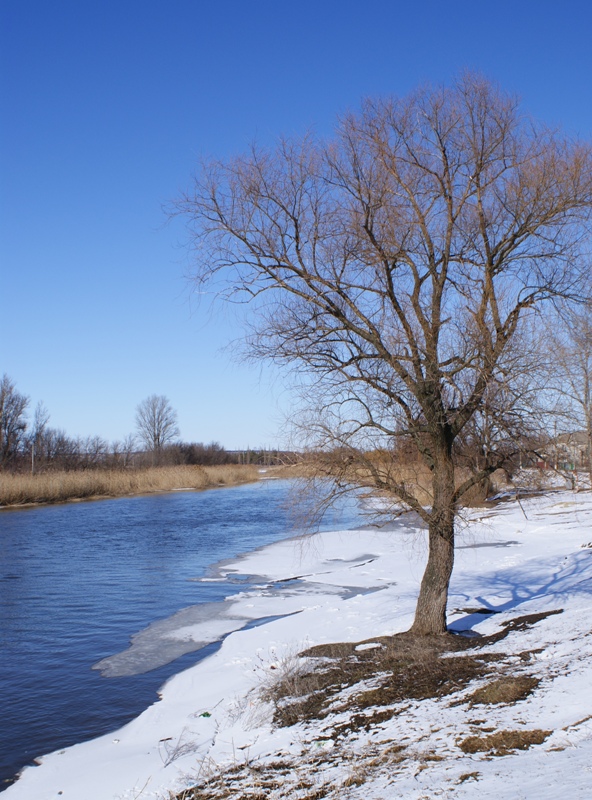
(197, 626)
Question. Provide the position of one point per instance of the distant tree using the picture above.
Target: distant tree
(38, 432)
(156, 424)
(92, 451)
(572, 359)
(204, 454)
(13, 424)
(61, 451)
(122, 451)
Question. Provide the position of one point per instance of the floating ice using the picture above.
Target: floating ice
(195, 627)
(167, 639)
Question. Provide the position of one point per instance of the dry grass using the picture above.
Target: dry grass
(414, 476)
(402, 667)
(354, 688)
(469, 776)
(58, 487)
(503, 743)
(509, 689)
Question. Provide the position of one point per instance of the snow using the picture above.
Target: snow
(356, 586)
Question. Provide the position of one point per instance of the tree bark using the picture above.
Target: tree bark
(430, 613)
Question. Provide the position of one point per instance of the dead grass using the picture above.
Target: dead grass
(503, 743)
(415, 476)
(508, 689)
(260, 782)
(58, 487)
(351, 690)
(404, 667)
(469, 776)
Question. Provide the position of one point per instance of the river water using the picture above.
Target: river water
(78, 580)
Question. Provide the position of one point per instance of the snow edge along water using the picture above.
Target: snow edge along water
(354, 585)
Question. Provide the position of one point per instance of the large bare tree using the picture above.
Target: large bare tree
(395, 266)
(156, 423)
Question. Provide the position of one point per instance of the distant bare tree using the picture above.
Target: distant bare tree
(156, 423)
(38, 432)
(61, 450)
(122, 451)
(13, 423)
(394, 268)
(92, 451)
(203, 454)
(572, 358)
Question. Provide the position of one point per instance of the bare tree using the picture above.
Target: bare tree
(13, 424)
(38, 432)
(394, 266)
(156, 423)
(572, 360)
(122, 451)
(92, 452)
(60, 450)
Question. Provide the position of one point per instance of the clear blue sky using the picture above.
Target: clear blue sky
(105, 108)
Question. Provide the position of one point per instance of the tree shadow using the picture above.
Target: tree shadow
(548, 579)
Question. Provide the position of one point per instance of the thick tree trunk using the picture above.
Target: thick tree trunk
(430, 613)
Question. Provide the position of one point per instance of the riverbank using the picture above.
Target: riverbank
(60, 487)
(510, 709)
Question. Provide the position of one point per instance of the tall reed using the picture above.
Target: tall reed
(57, 487)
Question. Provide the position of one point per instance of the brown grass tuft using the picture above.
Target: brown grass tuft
(469, 776)
(505, 690)
(503, 743)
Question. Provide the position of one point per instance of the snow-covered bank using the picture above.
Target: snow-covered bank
(351, 586)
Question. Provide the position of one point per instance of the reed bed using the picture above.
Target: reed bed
(415, 477)
(58, 487)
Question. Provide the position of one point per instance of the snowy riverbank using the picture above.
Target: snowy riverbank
(350, 586)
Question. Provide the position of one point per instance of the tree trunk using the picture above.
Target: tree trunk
(430, 612)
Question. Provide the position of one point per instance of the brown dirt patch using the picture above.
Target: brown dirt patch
(404, 667)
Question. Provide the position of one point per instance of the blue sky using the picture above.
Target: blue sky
(106, 107)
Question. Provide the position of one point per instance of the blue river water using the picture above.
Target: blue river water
(78, 580)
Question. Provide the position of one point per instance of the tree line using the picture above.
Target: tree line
(28, 443)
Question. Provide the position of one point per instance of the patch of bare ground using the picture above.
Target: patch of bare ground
(252, 782)
(502, 743)
(468, 776)
(508, 689)
(353, 688)
(401, 667)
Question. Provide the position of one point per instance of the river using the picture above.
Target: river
(77, 581)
